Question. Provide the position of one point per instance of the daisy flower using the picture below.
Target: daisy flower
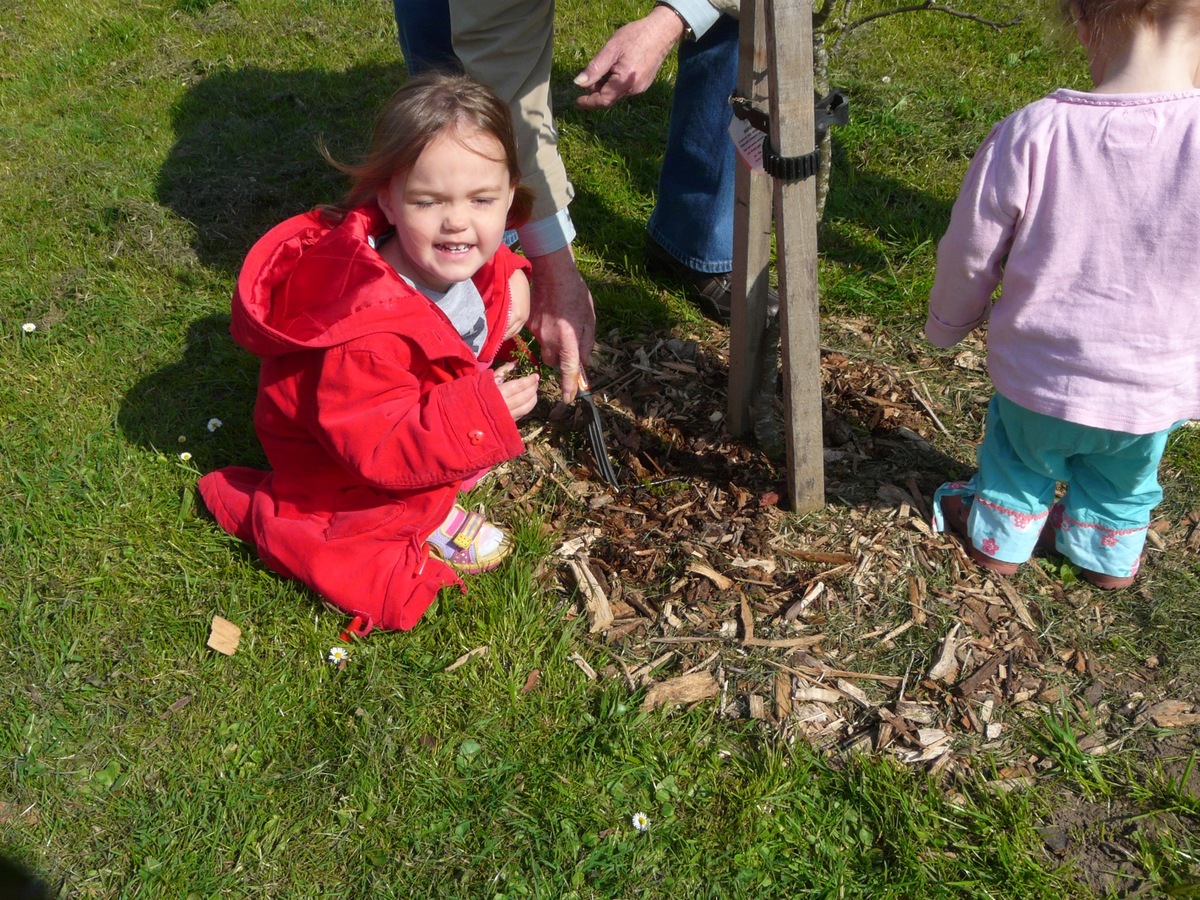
(641, 821)
(29, 327)
(185, 456)
(338, 654)
(214, 423)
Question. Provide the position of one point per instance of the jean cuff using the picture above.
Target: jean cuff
(720, 267)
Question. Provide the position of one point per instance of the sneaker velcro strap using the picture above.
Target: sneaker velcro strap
(467, 532)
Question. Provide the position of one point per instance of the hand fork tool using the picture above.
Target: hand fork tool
(595, 432)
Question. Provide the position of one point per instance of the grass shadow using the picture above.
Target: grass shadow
(887, 206)
(216, 379)
(245, 154)
(626, 144)
(245, 158)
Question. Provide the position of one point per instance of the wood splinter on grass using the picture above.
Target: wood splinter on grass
(224, 636)
(722, 582)
(595, 600)
(583, 666)
(945, 669)
(481, 650)
(684, 689)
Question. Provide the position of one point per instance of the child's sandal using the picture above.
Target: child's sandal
(469, 542)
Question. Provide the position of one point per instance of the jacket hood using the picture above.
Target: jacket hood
(311, 283)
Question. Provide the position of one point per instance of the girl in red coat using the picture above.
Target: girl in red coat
(377, 321)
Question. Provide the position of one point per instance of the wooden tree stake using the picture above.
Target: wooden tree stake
(784, 28)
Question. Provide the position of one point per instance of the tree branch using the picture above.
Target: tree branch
(820, 16)
(926, 6)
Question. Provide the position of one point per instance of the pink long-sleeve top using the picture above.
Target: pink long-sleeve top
(1087, 208)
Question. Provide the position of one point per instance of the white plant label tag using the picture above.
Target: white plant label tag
(749, 143)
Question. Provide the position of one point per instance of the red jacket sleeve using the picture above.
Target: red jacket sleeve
(374, 416)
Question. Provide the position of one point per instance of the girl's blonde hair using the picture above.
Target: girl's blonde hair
(421, 109)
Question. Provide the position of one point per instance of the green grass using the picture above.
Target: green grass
(144, 147)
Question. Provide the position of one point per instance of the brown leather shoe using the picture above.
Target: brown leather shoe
(955, 513)
(1105, 582)
(709, 292)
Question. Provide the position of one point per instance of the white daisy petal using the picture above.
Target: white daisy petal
(29, 327)
(338, 654)
(641, 821)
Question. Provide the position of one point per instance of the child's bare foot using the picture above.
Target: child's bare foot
(469, 542)
(955, 513)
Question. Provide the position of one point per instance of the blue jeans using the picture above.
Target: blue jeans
(424, 27)
(693, 217)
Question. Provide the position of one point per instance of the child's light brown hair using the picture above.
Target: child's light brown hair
(1111, 19)
(418, 112)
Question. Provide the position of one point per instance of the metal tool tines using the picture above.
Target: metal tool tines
(595, 432)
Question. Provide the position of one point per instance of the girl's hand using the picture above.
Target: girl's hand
(520, 394)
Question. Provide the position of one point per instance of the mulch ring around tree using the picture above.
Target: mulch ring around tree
(856, 628)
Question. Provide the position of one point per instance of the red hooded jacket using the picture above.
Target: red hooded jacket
(372, 411)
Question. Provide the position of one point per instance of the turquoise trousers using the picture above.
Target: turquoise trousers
(1099, 523)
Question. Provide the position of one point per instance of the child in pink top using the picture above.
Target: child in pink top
(1085, 209)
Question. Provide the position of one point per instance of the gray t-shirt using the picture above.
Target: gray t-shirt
(463, 306)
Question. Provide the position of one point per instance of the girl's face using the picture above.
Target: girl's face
(449, 209)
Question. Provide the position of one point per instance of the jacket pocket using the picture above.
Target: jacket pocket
(359, 510)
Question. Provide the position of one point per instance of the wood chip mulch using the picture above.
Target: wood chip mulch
(855, 628)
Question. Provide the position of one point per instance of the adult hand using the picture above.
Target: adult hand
(520, 394)
(561, 316)
(629, 61)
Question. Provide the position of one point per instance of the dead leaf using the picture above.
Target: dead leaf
(972, 362)
(11, 813)
(176, 706)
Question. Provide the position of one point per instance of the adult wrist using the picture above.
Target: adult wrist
(700, 15)
(688, 33)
